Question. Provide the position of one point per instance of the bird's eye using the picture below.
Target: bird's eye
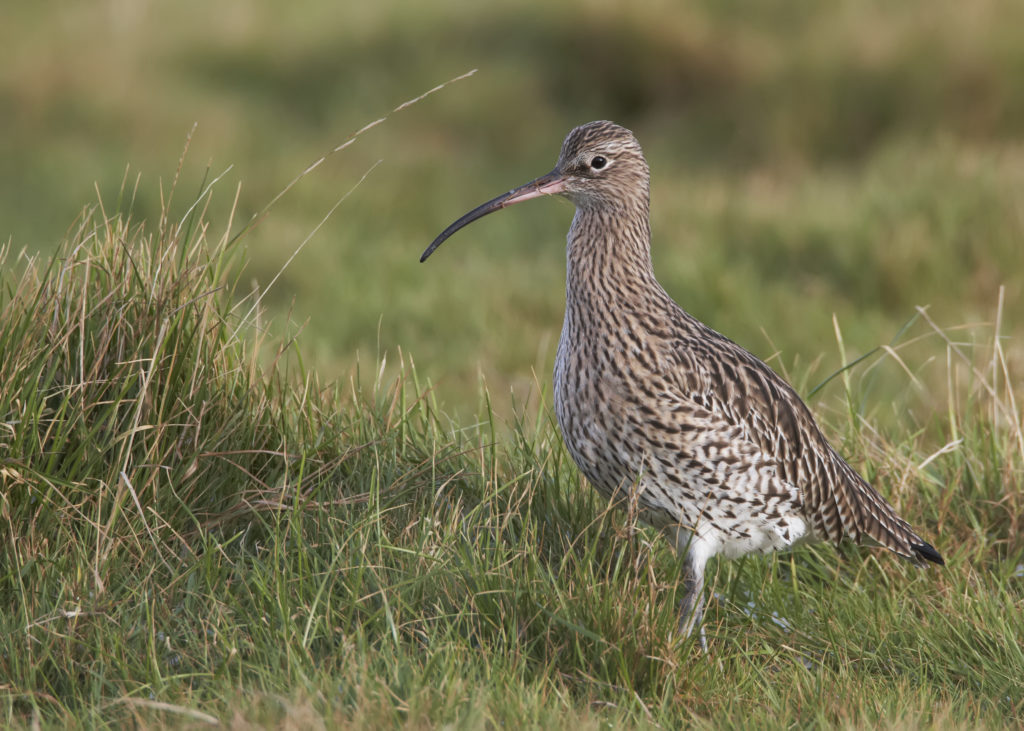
(598, 162)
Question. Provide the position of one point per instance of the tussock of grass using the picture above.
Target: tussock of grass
(197, 532)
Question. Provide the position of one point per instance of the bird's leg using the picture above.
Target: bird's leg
(691, 608)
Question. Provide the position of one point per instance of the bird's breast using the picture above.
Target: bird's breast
(600, 379)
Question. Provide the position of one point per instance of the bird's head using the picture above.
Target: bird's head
(601, 165)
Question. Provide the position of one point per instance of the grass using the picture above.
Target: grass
(199, 533)
(214, 510)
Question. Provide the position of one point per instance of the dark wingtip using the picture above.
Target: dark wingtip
(928, 553)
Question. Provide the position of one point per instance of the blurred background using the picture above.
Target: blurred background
(808, 159)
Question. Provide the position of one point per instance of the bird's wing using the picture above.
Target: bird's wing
(713, 373)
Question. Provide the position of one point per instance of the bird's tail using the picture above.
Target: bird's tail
(866, 513)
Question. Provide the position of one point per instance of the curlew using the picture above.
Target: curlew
(661, 413)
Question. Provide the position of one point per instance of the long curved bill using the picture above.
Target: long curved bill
(549, 184)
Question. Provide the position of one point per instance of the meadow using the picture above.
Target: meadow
(259, 467)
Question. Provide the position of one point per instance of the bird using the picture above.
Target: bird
(667, 417)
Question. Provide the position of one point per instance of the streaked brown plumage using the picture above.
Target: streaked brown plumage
(667, 415)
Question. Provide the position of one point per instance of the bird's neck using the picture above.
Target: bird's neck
(609, 256)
